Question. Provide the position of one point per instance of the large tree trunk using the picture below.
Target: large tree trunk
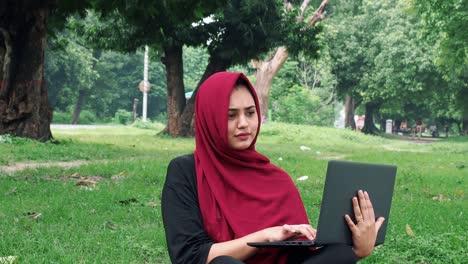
(186, 121)
(369, 126)
(349, 112)
(24, 106)
(266, 71)
(78, 106)
(175, 88)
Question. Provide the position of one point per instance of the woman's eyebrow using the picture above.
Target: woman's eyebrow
(246, 108)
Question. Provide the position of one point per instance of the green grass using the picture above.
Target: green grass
(97, 226)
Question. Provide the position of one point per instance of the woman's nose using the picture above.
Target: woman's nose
(242, 121)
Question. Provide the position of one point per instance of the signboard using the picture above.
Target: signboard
(141, 86)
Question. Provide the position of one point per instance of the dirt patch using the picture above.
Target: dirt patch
(14, 167)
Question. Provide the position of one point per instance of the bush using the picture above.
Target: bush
(300, 106)
(87, 117)
(123, 117)
(143, 125)
(161, 118)
(61, 117)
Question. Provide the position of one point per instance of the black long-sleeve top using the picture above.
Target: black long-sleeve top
(186, 238)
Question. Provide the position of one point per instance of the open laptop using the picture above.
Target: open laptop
(344, 179)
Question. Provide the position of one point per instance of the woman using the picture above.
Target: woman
(227, 194)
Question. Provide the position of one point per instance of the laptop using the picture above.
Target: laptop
(344, 179)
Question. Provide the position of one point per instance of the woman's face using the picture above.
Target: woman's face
(242, 118)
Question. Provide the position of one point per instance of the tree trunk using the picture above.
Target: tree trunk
(83, 92)
(24, 106)
(369, 126)
(464, 102)
(77, 109)
(186, 121)
(266, 71)
(349, 112)
(175, 88)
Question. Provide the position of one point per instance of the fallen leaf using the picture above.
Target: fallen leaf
(121, 173)
(304, 148)
(441, 198)
(75, 175)
(86, 182)
(303, 178)
(459, 192)
(34, 215)
(409, 231)
(280, 158)
(151, 204)
(8, 259)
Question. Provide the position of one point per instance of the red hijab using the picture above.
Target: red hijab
(240, 192)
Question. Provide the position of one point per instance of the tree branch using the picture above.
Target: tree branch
(319, 14)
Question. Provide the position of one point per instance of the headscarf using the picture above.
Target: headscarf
(239, 191)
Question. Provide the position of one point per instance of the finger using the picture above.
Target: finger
(313, 230)
(289, 228)
(378, 224)
(350, 223)
(310, 231)
(357, 210)
(370, 208)
(307, 231)
(362, 204)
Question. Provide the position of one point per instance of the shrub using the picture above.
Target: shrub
(61, 117)
(87, 117)
(301, 106)
(123, 117)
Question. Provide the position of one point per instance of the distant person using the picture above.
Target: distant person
(226, 194)
(446, 129)
(419, 128)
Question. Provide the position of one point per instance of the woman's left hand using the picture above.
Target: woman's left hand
(365, 231)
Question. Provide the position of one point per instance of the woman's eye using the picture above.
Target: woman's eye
(231, 116)
(250, 113)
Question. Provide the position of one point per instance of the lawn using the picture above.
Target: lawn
(106, 207)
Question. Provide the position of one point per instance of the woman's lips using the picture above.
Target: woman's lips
(243, 136)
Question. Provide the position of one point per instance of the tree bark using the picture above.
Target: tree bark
(24, 106)
(79, 104)
(369, 126)
(349, 112)
(186, 121)
(175, 88)
(266, 71)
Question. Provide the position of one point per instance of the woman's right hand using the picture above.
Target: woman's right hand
(279, 233)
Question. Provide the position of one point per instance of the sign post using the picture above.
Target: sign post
(145, 85)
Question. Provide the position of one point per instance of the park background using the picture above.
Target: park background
(92, 194)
